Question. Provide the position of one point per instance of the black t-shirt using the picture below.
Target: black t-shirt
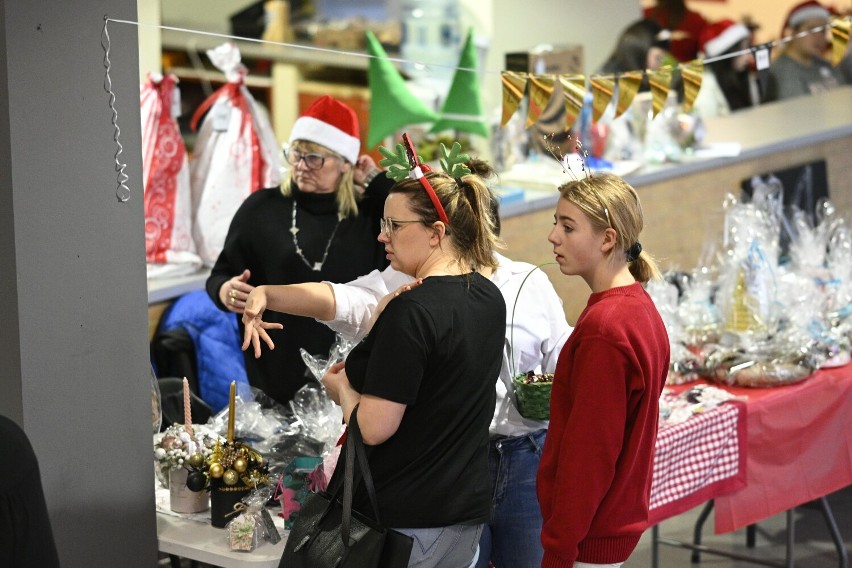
(259, 238)
(437, 349)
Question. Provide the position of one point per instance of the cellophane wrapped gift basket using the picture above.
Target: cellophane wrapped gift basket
(753, 314)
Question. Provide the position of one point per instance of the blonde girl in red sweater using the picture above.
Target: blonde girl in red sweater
(594, 479)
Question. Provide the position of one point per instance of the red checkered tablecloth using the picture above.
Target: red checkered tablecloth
(698, 459)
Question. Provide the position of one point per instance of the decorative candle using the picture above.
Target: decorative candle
(187, 408)
(231, 411)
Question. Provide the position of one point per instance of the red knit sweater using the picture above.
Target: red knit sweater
(594, 480)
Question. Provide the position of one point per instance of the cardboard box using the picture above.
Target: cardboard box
(550, 59)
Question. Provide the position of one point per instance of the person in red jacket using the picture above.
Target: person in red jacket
(686, 26)
(594, 478)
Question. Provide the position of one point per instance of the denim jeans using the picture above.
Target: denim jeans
(513, 538)
(455, 546)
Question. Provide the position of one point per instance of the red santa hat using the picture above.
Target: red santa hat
(330, 123)
(719, 37)
(810, 10)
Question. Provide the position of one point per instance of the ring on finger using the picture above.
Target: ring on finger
(233, 301)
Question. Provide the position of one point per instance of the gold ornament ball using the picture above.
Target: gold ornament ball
(240, 464)
(231, 477)
(196, 459)
(216, 470)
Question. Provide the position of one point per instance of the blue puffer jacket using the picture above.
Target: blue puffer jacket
(217, 344)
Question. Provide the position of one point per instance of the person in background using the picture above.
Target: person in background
(594, 481)
(316, 226)
(684, 24)
(727, 82)
(845, 67)
(643, 44)
(26, 537)
(423, 379)
(801, 69)
(536, 330)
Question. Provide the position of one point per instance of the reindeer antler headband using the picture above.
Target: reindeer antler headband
(406, 164)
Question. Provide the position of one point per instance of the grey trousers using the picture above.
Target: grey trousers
(455, 546)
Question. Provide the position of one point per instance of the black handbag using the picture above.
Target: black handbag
(329, 534)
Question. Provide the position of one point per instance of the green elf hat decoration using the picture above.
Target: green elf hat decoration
(406, 164)
(392, 104)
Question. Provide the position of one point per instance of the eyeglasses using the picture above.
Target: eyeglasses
(313, 161)
(389, 226)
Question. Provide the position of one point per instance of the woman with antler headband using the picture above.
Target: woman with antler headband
(535, 331)
(594, 480)
(423, 379)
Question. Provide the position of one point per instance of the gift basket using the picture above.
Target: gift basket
(532, 391)
(754, 317)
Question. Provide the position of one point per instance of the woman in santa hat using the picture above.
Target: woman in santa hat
(727, 84)
(318, 226)
(800, 69)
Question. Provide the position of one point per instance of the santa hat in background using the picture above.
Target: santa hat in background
(719, 37)
(330, 123)
(810, 10)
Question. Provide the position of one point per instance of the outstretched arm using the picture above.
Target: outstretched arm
(310, 299)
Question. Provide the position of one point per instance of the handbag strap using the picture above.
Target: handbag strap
(355, 446)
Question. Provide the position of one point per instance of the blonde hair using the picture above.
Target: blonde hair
(346, 194)
(467, 202)
(609, 201)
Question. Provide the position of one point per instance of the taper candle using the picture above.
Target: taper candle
(231, 397)
(187, 408)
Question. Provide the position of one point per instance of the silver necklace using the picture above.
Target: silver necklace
(315, 266)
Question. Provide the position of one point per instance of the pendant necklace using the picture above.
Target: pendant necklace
(315, 266)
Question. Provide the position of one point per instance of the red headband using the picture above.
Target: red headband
(418, 172)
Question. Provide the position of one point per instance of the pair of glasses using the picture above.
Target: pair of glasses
(312, 160)
(389, 226)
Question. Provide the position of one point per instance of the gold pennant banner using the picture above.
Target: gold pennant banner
(660, 80)
(839, 38)
(574, 91)
(541, 89)
(692, 73)
(628, 86)
(603, 87)
(514, 85)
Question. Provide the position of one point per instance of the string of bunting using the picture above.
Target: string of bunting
(604, 86)
(515, 84)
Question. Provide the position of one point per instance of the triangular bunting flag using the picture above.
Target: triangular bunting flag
(574, 91)
(839, 38)
(462, 108)
(392, 104)
(660, 80)
(514, 85)
(602, 91)
(541, 89)
(628, 86)
(692, 74)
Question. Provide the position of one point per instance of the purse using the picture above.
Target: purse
(328, 533)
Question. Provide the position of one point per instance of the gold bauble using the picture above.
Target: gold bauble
(240, 464)
(216, 470)
(231, 477)
(196, 459)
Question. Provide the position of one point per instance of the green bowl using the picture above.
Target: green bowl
(533, 396)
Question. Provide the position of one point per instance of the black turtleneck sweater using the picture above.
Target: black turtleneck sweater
(260, 240)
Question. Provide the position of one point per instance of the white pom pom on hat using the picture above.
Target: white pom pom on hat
(330, 123)
(719, 37)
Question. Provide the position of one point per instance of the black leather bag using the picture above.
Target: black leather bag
(329, 534)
